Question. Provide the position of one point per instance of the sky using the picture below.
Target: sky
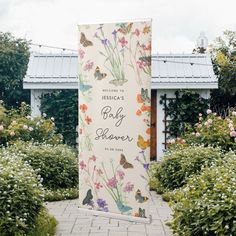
(176, 23)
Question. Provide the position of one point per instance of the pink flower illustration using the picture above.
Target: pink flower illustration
(93, 158)
(123, 42)
(121, 174)
(81, 54)
(82, 165)
(112, 182)
(88, 66)
(98, 185)
(128, 187)
(141, 64)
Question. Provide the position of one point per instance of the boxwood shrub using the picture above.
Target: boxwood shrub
(178, 165)
(207, 205)
(57, 165)
(21, 195)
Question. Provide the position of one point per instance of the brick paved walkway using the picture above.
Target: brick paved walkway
(72, 222)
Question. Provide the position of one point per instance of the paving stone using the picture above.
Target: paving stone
(74, 222)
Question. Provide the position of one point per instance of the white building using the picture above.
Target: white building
(170, 72)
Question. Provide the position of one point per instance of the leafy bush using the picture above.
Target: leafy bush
(207, 205)
(21, 195)
(45, 224)
(18, 125)
(61, 194)
(57, 165)
(214, 131)
(178, 165)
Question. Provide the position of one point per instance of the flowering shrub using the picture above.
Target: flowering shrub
(57, 165)
(18, 125)
(178, 165)
(21, 195)
(207, 205)
(215, 131)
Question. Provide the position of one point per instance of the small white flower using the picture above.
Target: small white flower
(12, 133)
(209, 111)
(234, 113)
(25, 127)
(31, 128)
(1, 127)
(44, 115)
(13, 122)
(28, 117)
(198, 134)
(52, 118)
(209, 121)
(200, 114)
(232, 134)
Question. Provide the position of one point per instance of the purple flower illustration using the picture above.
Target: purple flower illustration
(104, 41)
(146, 166)
(114, 33)
(128, 187)
(101, 203)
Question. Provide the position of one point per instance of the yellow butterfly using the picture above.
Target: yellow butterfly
(142, 143)
(124, 163)
(125, 29)
(98, 75)
(84, 41)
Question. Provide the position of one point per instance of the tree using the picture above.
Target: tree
(224, 60)
(14, 58)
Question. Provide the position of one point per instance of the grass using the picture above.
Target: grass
(45, 224)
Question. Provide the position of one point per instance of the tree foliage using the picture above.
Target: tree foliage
(14, 58)
(224, 59)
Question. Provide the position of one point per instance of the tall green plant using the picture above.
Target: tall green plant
(183, 110)
(63, 106)
(14, 58)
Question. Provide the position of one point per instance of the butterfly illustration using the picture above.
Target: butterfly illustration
(144, 95)
(122, 207)
(124, 163)
(139, 198)
(141, 213)
(87, 200)
(98, 75)
(84, 41)
(125, 29)
(84, 87)
(142, 143)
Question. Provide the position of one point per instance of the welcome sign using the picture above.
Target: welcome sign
(114, 118)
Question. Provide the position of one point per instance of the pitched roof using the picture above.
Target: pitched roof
(169, 71)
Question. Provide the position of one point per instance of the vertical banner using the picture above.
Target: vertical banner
(114, 118)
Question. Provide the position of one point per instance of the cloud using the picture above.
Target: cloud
(176, 24)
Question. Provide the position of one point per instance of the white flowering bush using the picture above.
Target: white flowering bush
(180, 163)
(21, 195)
(214, 131)
(57, 164)
(19, 125)
(207, 205)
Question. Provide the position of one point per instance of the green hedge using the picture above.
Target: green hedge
(21, 195)
(207, 205)
(57, 165)
(179, 164)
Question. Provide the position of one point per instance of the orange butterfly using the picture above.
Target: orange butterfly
(146, 29)
(125, 29)
(142, 143)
